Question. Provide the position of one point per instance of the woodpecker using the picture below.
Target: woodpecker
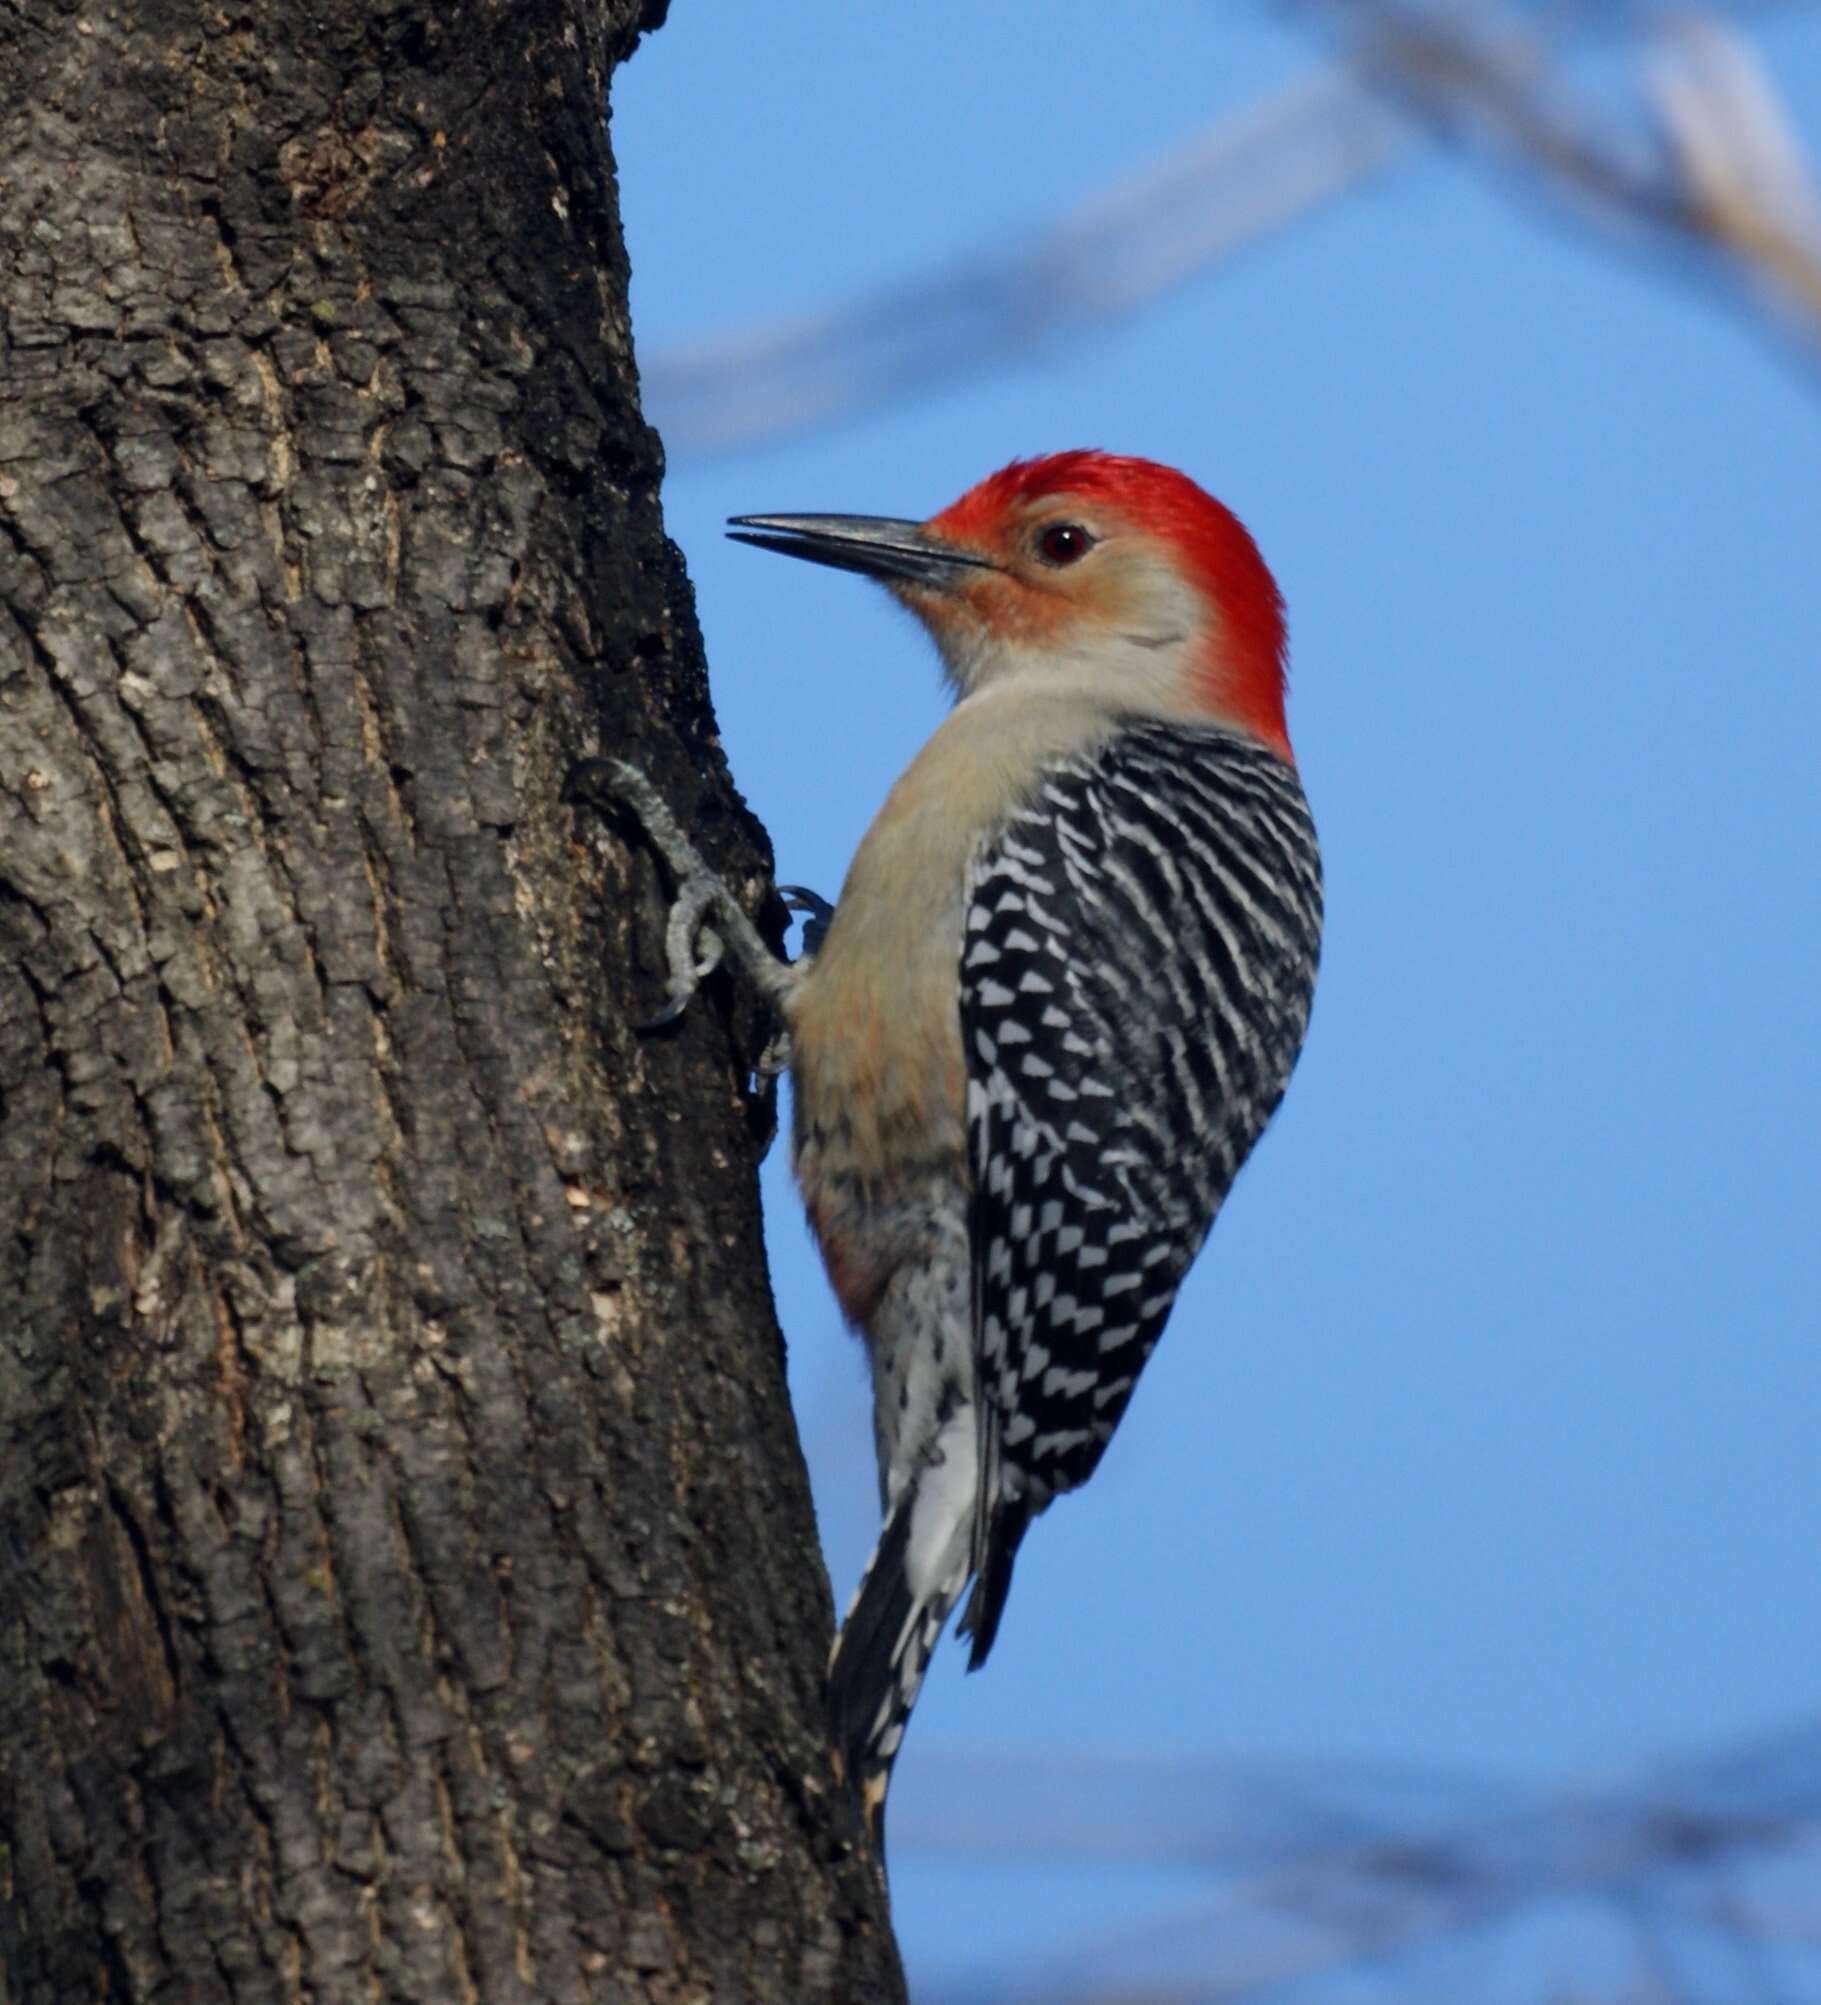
(1056, 1003)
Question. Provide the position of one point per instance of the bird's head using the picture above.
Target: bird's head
(1115, 575)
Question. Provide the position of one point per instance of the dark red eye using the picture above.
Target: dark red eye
(1064, 543)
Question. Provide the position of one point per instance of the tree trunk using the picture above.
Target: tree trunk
(408, 1585)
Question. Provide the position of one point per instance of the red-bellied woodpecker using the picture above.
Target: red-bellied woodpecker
(1056, 1004)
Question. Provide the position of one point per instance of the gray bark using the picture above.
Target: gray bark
(408, 1585)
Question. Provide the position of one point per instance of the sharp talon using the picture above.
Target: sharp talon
(668, 1015)
(801, 899)
(818, 911)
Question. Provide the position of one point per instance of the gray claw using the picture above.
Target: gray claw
(665, 1017)
(800, 898)
(818, 911)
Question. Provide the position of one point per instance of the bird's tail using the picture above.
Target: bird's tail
(1000, 1523)
(993, 1578)
(913, 1579)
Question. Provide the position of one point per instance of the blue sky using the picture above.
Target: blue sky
(1486, 1431)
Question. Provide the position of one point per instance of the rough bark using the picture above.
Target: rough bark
(408, 1586)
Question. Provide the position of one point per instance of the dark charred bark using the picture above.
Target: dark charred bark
(408, 1587)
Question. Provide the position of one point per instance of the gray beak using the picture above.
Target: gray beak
(877, 546)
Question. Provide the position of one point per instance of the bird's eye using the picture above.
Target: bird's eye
(1064, 543)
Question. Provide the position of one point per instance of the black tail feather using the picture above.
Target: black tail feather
(993, 1580)
(879, 1660)
(861, 1671)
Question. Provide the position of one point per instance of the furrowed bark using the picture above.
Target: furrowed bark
(408, 1585)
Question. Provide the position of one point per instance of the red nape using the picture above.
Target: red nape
(1246, 672)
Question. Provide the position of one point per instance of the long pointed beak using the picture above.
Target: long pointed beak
(877, 546)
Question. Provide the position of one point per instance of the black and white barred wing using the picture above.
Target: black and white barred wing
(1137, 966)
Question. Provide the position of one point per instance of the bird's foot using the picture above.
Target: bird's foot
(706, 920)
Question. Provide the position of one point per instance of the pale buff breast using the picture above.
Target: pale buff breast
(876, 1030)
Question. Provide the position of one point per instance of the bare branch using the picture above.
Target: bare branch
(1318, 1872)
(1711, 166)
(1238, 181)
